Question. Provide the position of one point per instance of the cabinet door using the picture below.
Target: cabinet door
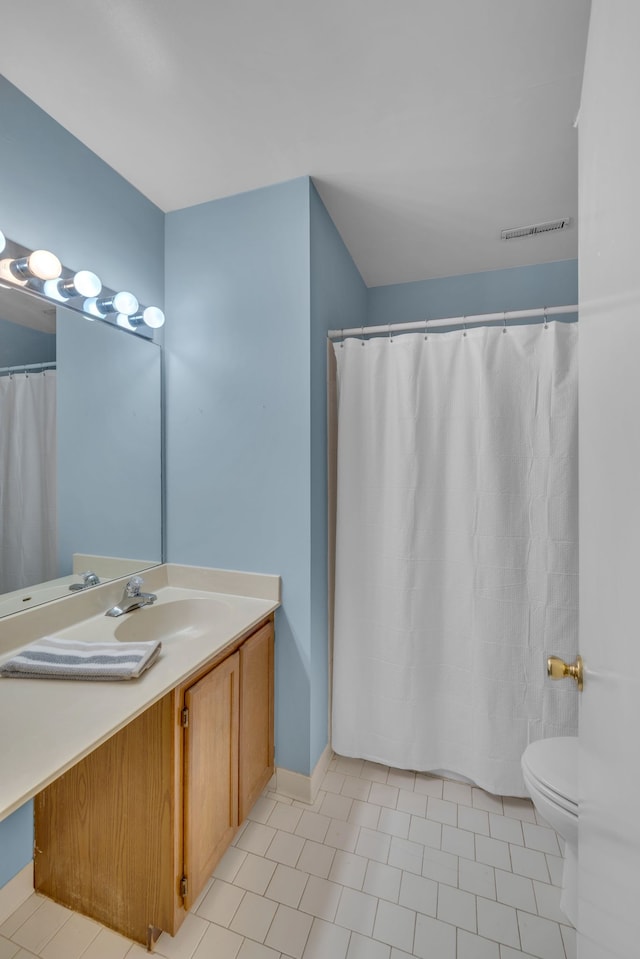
(210, 772)
(256, 717)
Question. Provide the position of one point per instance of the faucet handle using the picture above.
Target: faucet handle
(90, 578)
(133, 586)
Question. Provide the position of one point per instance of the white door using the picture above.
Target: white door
(609, 845)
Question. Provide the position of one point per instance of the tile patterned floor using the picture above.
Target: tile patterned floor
(386, 864)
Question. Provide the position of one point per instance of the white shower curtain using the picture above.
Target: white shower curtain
(456, 548)
(27, 479)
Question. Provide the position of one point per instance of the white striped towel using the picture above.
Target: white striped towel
(52, 658)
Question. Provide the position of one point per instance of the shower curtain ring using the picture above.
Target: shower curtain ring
(341, 339)
(426, 330)
(546, 319)
(362, 333)
(464, 326)
(390, 337)
(504, 320)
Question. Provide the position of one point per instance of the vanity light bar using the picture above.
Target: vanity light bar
(40, 272)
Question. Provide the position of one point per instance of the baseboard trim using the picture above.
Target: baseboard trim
(16, 891)
(301, 787)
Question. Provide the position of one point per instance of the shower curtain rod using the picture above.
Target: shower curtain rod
(26, 367)
(452, 321)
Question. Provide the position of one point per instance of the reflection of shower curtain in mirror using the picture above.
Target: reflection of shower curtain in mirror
(27, 479)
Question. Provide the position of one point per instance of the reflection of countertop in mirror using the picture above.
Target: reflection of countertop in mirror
(48, 725)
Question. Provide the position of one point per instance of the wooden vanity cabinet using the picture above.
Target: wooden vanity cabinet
(131, 834)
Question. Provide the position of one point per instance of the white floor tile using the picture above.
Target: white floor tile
(285, 848)
(457, 907)
(506, 952)
(356, 788)
(425, 831)
(374, 772)
(72, 939)
(361, 947)
(364, 814)
(384, 795)
(185, 943)
(316, 859)
(441, 866)
(541, 838)
(548, 901)
(493, 852)
(477, 878)
(395, 925)
(326, 940)
(284, 817)
(312, 826)
(497, 921)
(342, 835)
(530, 863)
(509, 830)
(382, 881)
(227, 868)
(475, 820)
(41, 926)
(254, 917)
(287, 886)
(256, 838)
(218, 942)
(8, 949)
(394, 823)
(373, 845)
(441, 810)
(262, 809)
(289, 932)
(540, 937)
(320, 898)
(482, 800)
(255, 950)
(419, 894)
(407, 855)
(357, 911)
(221, 902)
(348, 869)
(402, 778)
(475, 947)
(336, 806)
(20, 916)
(428, 785)
(434, 938)
(255, 874)
(412, 802)
(460, 842)
(456, 792)
(108, 945)
(515, 891)
(333, 782)
(348, 766)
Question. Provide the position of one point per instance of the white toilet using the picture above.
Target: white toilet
(550, 770)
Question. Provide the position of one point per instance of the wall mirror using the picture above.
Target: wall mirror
(80, 451)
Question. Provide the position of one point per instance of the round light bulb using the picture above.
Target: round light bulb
(153, 317)
(51, 288)
(124, 302)
(91, 306)
(44, 265)
(87, 283)
(123, 320)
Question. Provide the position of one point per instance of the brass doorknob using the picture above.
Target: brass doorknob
(558, 669)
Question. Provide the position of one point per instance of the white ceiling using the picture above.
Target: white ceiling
(427, 125)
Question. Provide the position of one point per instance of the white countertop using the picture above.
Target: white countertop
(49, 724)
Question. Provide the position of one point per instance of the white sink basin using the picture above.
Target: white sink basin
(178, 619)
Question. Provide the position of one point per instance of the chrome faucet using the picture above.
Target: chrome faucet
(132, 598)
(88, 579)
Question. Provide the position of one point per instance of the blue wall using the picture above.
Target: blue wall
(254, 281)
(58, 195)
(338, 300)
(21, 344)
(518, 288)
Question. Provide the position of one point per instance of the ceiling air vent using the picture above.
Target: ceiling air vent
(535, 228)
